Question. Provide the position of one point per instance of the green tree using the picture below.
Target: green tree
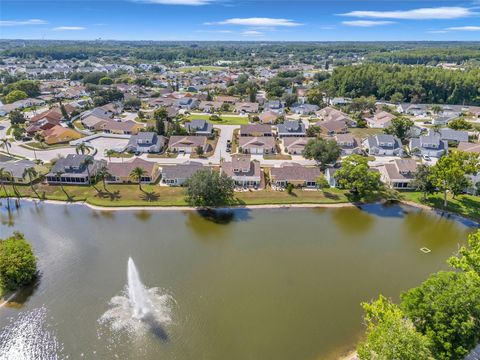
(105, 81)
(160, 115)
(390, 335)
(423, 180)
(15, 95)
(103, 174)
(6, 144)
(133, 103)
(459, 124)
(31, 174)
(315, 96)
(208, 188)
(400, 127)
(356, 176)
(397, 98)
(18, 266)
(137, 175)
(322, 151)
(449, 173)
(199, 150)
(29, 87)
(468, 258)
(446, 308)
(81, 148)
(16, 117)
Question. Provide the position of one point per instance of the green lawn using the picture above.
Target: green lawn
(154, 195)
(226, 120)
(39, 146)
(464, 205)
(364, 132)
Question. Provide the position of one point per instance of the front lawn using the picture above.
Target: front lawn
(464, 205)
(225, 119)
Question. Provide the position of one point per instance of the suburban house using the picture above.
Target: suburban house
(210, 106)
(176, 175)
(74, 170)
(413, 109)
(274, 105)
(98, 112)
(232, 100)
(255, 130)
(40, 125)
(246, 108)
(16, 169)
(128, 127)
(291, 128)
(380, 120)
(453, 136)
(332, 128)
(295, 174)
(295, 145)
(257, 144)
(52, 114)
(431, 145)
(243, 170)
(146, 142)
(383, 144)
(339, 101)
(199, 127)
(304, 109)
(331, 114)
(469, 147)
(348, 143)
(94, 123)
(268, 117)
(187, 144)
(399, 174)
(59, 134)
(120, 171)
(186, 103)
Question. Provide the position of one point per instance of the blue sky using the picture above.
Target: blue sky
(260, 20)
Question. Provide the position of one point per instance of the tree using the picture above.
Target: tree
(459, 124)
(15, 95)
(5, 144)
(133, 103)
(436, 109)
(105, 81)
(40, 139)
(160, 115)
(446, 309)
(322, 182)
(400, 127)
(18, 266)
(31, 174)
(103, 174)
(322, 151)
(355, 175)
(199, 150)
(137, 175)
(468, 258)
(397, 98)
(29, 87)
(81, 148)
(449, 173)
(208, 188)
(363, 103)
(16, 117)
(315, 96)
(4, 176)
(110, 153)
(313, 131)
(423, 180)
(390, 335)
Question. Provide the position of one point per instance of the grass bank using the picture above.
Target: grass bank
(154, 195)
(225, 119)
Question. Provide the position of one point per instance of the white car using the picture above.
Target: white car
(426, 157)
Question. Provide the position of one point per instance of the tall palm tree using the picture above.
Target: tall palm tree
(31, 174)
(109, 154)
(103, 174)
(6, 144)
(87, 162)
(81, 148)
(137, 174)
(3, 177)
(59, 174)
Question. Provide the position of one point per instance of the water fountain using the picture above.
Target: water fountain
(139, 309)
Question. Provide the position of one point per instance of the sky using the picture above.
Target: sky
(241, 20)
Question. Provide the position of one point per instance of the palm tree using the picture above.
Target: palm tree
(109, 154)
(58, 175)
(39, 137)
(137, 175)
(81, 148)
(6, 144)
(32, 174)
(4, 176)
(103, 174)
(87, 162)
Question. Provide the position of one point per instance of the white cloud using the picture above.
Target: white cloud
(437, 31)
(69, 28)
(256, 22)
(464, 28)
(366, 23)
(252, 33)
(23, 22)
(445, 12)
(177, 2)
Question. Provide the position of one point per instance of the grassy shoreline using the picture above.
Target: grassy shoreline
(129, 195)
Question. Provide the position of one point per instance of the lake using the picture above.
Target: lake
(245, 284)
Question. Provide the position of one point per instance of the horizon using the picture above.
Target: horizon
(240, 20)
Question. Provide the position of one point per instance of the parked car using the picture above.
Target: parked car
(426, 157)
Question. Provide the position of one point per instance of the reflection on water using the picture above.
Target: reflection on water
(351, 220)
(29, 337)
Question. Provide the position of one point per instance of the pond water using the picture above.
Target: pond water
(249, 284)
